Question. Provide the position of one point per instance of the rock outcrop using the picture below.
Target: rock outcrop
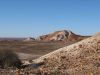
(29, 39)
(64, 35)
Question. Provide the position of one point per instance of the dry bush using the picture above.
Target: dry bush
(9, 59)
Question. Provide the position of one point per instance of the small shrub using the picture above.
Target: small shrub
(9, 59)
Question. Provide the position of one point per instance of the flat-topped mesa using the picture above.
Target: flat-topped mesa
(81, 58)
(63, 35)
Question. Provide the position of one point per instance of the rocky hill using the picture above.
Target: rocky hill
(64, 35)
(82, 58)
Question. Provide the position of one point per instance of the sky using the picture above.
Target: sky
(31, 18)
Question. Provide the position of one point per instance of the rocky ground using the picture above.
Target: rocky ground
(82, 58)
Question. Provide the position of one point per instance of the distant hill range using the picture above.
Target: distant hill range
(63, 35)
(11, 39)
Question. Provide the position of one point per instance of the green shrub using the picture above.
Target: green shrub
(9, 59)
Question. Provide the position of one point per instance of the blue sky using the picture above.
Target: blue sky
(25, 18)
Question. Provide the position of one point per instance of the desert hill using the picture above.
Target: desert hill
(82, 58)
(63, 35)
